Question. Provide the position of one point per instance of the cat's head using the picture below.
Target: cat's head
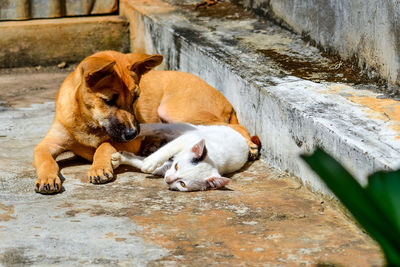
(191, 170)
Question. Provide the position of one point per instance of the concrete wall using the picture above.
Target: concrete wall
(28, 9)
(46, 42)
(367, 30)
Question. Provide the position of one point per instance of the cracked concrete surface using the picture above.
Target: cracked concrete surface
(263, 218)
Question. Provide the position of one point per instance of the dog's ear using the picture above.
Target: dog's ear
(143, 63)
(96, 68)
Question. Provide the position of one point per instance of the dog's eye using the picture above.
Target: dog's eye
(134, 76)
(176, 166)
(135, 97)
(182, 184)
(112, 101)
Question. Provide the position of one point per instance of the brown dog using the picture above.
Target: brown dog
(98, 109)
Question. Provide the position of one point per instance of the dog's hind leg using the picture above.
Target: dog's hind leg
(233, 119)
(171, 114)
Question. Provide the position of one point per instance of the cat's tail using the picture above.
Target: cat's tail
(168, 131)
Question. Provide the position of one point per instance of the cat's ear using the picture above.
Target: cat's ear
(215, 182)
(200, 151)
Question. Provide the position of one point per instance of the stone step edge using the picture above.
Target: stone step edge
(290, 117)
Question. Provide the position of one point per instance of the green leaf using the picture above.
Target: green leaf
(368, 207)
(384, 187)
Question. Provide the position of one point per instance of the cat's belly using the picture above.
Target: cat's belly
(233, 156)
(235, 164)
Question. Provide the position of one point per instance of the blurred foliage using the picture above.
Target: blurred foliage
(376, 207)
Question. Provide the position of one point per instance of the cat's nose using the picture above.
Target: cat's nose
(168, 180)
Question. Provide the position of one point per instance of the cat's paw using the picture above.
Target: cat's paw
(116, 160)
(160, 171)
(149, 165)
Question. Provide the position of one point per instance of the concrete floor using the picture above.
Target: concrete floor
(264, 217)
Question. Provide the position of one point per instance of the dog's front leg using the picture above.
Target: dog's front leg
(44, 155)
(48, 181)
(101, 170)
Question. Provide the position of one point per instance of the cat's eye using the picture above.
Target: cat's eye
(111, 101)
(182, 184)
(176, 167)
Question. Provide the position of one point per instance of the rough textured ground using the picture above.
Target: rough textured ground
(263, 218)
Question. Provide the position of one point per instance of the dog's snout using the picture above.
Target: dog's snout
(121, 130)
(129, 134)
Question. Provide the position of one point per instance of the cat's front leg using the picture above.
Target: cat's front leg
(162, 155)
(152, 162)
(126, 158)
(160, 171)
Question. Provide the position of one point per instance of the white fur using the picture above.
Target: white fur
(227, 151)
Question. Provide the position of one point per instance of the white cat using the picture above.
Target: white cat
(196, 157)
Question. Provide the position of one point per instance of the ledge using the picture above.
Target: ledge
(51, 41)
(283, 89)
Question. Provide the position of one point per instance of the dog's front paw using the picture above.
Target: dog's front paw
(116, 160)
(100, 175)
(48, 185)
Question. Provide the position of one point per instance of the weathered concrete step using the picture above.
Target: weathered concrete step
(29, 9)
(51, 41)
(284, 90)
(263, 218)
(366, 32)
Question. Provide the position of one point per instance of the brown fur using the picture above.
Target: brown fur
(98, 111)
